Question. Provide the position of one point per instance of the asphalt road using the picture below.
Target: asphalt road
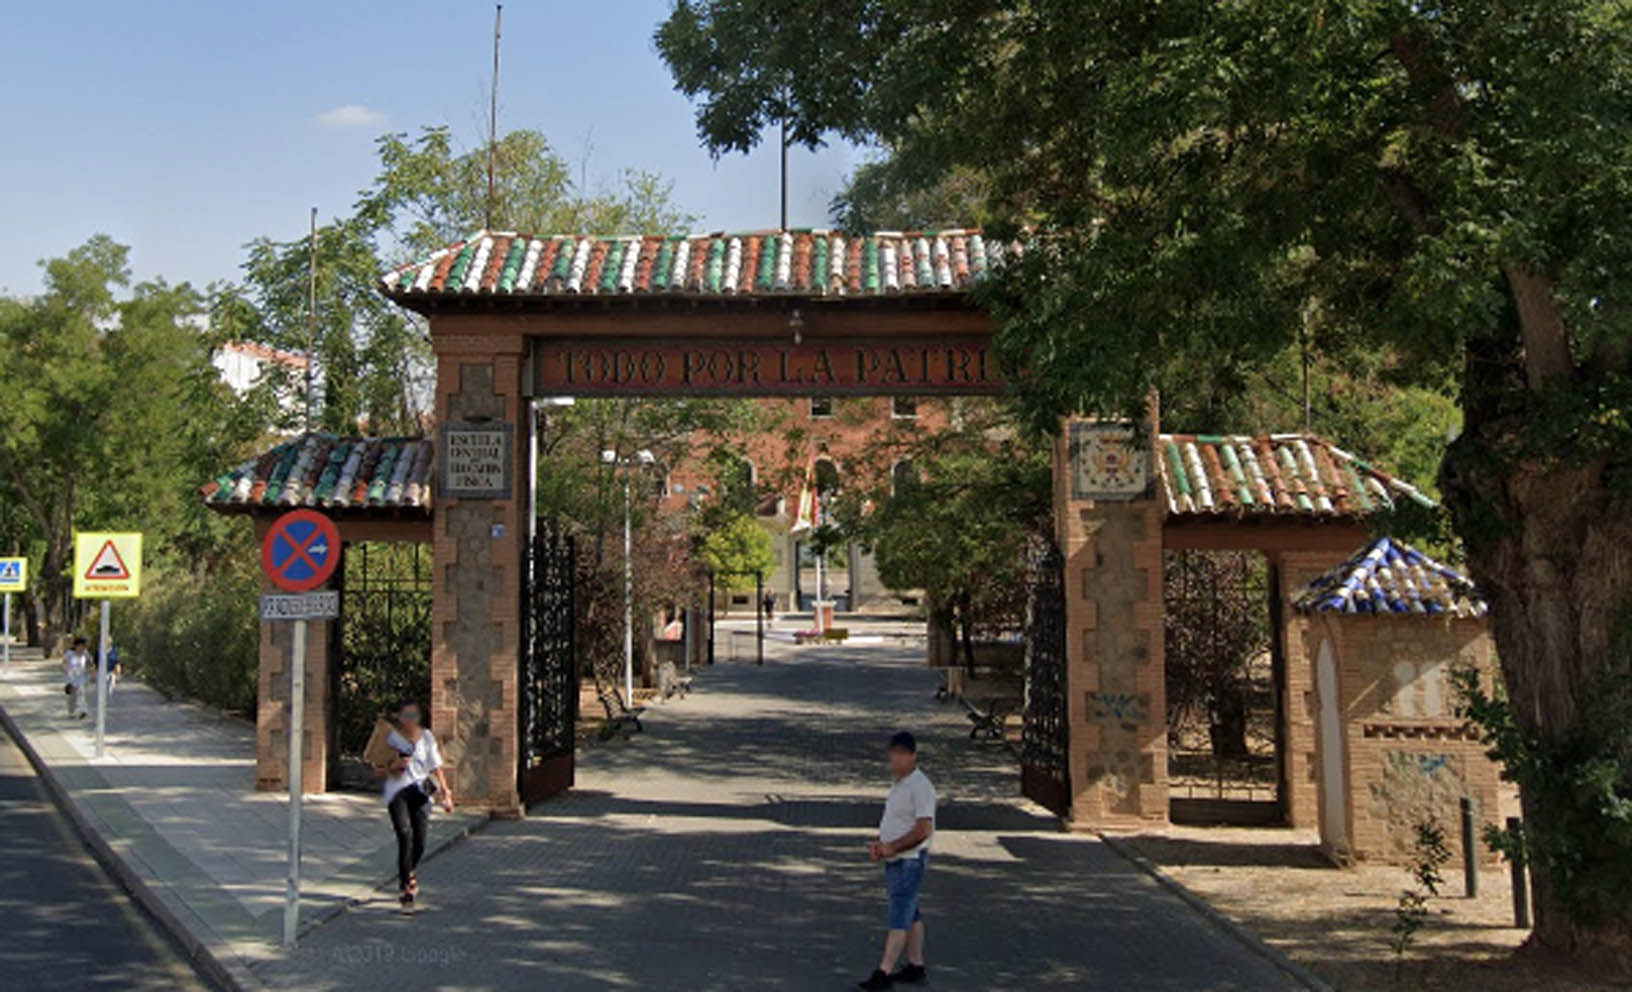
(63, 923)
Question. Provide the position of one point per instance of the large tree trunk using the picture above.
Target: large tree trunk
(1556, 581)
(1551, 549)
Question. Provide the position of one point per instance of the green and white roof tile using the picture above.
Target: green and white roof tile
(813, 262)
(324, 471)
(1272, 474)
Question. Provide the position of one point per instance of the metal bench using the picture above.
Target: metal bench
(619, 716)
(989, 710)
(671, 683)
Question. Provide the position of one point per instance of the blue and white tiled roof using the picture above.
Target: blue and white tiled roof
(1387, 577)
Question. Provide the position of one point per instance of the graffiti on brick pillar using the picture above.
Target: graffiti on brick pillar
(1129, 709)
(1414, 786)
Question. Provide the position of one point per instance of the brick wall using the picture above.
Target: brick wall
(1408, 756)
(1300, 794)
(476, 559)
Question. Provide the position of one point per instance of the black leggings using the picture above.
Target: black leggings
(410, 812)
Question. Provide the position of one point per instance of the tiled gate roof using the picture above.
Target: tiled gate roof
(766, 263)
(1387, 577)
(329, 472)
(1242, 475)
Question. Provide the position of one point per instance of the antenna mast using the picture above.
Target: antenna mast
(493, 117)
(311, 311)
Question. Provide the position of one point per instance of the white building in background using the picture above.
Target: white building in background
(242, 363)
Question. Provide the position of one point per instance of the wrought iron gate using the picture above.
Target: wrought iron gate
(1045, 775)
(382, 649)
(549, 669)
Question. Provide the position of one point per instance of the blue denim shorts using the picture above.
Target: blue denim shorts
(902, 880)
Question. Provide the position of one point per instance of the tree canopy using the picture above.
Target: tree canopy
(1443, 190)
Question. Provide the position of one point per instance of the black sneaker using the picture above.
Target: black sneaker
(911, 974)
(877, 980)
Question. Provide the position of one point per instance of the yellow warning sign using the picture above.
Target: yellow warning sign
(107, 566)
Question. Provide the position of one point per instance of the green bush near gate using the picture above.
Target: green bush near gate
(194, 636)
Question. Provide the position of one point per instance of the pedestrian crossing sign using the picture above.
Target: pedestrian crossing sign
(107, 565)
(13, 574)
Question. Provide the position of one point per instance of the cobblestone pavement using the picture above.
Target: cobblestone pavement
(723, 849)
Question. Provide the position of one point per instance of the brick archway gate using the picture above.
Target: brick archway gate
(514, 318)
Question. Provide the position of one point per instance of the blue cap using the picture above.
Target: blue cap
(903, 740)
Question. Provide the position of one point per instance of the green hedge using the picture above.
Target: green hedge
(194, 636)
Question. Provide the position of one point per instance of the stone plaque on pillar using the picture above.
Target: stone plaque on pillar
(1107, 463)
(475, 461)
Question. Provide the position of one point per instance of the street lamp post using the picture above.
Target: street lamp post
(641, 458)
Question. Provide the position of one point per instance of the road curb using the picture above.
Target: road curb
(222, 973)
(1241, 934)
(216, 962)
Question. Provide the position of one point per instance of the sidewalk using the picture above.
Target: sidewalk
(172, 806)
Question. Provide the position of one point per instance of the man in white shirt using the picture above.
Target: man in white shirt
(76, 670)
(904, 834)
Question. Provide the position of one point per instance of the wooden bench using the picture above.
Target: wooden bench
(619, 717)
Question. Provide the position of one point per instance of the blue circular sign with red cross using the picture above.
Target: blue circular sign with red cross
(300, 551)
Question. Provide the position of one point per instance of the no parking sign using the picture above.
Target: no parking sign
(300, 551)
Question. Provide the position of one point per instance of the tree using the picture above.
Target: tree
(1448, 185)
(957, 512)
(113, 415)
(374, 357)
(736, 551)
(579, 492)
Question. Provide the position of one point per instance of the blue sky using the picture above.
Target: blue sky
(184, 129)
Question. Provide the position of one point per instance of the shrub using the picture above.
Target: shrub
(195, 635)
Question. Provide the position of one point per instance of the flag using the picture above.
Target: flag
(808, 513)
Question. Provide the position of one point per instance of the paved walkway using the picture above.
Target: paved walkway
(173, 797)
(724, 849)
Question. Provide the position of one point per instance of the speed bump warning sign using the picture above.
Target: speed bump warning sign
(107, 565)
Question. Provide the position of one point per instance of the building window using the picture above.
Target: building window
(901, 474)
(821, 406)
(904, 407)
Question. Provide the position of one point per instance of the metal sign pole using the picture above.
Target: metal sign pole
(5, 641)
(628, 606)
(102, 680)
(297, 716)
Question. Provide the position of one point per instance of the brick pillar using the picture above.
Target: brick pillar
(1115, 689)
(1300, 639)
(272, 701)
(476, 581)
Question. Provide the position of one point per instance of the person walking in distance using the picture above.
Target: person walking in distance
(114, 671)
(409, 787)
(76, 671)
(904, 834)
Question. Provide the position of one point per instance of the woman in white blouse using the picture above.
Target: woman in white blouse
(408, 792)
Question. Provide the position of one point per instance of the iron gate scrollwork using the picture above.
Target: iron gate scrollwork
(382, 649)
(549, 669)
(1045, 736)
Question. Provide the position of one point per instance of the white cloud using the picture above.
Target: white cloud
(351, 115)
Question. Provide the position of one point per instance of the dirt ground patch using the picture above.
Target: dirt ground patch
(1335, 922)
